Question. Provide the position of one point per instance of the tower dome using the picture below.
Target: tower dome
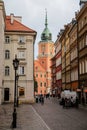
(46, 34)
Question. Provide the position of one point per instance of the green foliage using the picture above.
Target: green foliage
(35, 86)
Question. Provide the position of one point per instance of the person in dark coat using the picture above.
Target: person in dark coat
(42, 99)
(77, 102)
(83, 101)
(63, 102)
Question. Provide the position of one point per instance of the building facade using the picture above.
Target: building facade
(56, 68)
(82, 48)
(65, 57)
(42, 63)
(2, 28)
(73, 55)
(18, 40)
(53, 76)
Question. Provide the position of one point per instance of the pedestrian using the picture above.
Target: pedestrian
(42, 99)
(72, 101)
(63, 102)
(83, 100)
(77, 102)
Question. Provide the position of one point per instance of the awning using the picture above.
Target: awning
(85, 90)
(78, 90)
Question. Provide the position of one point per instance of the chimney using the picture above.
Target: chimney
(12, 18)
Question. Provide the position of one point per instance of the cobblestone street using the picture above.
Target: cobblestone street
(5, 116)
(50, 116)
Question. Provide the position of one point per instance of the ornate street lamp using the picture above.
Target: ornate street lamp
(17, 77)
(15, 65)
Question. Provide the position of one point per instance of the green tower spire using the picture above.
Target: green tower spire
(46, 34)
(46, 20)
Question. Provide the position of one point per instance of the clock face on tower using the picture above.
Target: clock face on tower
(43, 47)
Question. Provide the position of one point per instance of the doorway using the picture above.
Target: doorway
(6, 94)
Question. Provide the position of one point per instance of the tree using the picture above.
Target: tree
(35, 86)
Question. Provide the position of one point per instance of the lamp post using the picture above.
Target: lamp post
(15, 65)
(17, 77)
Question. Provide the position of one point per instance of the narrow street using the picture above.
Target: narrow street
(58, 118)
(49, 116)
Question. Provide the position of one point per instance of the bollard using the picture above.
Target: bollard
(14, 119)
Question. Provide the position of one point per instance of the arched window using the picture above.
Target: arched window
(86, 66)
(7, 54)
(44, 84)
(7, 71)
(7, 39)
(41, 84)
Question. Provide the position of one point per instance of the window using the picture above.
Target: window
(44, 84)
(7, 71)
(42, 62)
(21, 39)
(36, 67)
(41, 75)
(43, 47)
(41, 84)
(80, 68)
(21, 91)
(45, 75)
(86, 39)
(83, 67)
(7, 54)
(7, 39)
(21, 54)
(42, 53)
(36, 75)
(44, 91)
(21, 70)
(86, 66)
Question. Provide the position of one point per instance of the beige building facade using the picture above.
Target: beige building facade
(81, 17)
(2, 27)
(17, 39)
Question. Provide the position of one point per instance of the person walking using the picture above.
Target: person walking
(63, 102)
(77, 102)
(42, 99)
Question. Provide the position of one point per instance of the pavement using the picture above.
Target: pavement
(27, 117)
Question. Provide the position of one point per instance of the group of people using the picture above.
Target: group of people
(40, 99)
(70, 102)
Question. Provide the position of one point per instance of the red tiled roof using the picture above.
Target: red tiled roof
(16, 26)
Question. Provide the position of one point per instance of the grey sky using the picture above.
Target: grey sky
(60, 12)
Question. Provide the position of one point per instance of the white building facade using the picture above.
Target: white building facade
(17, 39)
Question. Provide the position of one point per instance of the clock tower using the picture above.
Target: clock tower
(45, 53)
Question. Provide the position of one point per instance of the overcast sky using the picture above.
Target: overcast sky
(60, 12)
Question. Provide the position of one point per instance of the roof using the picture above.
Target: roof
(46, 34)
(17, 26)
(37, 64)
(83, 0)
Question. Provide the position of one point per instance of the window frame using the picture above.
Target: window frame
(7, 39)
(7, 54)
(7, 70)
